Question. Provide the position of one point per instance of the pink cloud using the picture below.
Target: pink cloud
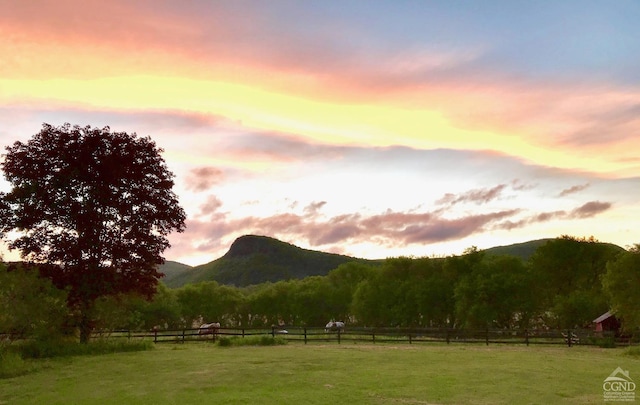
(389, 228)
(587, 210)
(574, 189)
(478, 196)
(547, 216)
(335, 234)
(442, 229)
(590, 209)
(518, 185)
(212, 205)
(314, 208)
(278, 146)
(203, 178)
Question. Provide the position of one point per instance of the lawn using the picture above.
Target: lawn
(324, 373)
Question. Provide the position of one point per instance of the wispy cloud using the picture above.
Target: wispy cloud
(211, 205)
(389, 228)
(314, 207)
(617, 121)
(590, 209)
(478, 196)
(587, 210)
(278, 146)
(203, 178)
(573, 189)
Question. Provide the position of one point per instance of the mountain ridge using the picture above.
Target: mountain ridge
(256, 259)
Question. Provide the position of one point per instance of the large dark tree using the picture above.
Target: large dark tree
(622, 282)
(567, 275)
(92, 208)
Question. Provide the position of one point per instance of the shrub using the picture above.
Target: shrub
(272, 341)
(30, 306)
(252, 341)
(37, 349)
(12, 364)
(225, 342)
(603, 342)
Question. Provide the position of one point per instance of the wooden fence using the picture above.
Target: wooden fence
(385, 335)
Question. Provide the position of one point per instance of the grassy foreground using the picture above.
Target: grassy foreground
(320, 374)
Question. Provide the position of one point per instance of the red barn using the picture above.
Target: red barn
(607, 322)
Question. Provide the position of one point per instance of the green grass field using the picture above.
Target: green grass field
(319, 374)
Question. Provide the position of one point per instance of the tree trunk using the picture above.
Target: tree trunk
(85, 332)
(85, 323)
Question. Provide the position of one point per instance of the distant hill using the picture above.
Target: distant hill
(527, 249)
(173, 269)
(255, 259)
(522, 250)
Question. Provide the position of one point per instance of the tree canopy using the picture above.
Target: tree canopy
(567, 279)
(92, 208)
(621, 282)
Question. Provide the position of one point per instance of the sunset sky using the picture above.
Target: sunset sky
(368, 128)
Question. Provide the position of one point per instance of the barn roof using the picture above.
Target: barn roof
(603, 317)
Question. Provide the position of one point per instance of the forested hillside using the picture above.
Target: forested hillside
(522, 250)
(172, 269)
(257, 259)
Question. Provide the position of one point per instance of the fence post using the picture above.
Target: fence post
(305, 335)
(243, 332)
(409, 337)
(526, 336)
(155, 335)
(183, 331)
(373, 336)
(569, 337)
(273, 331)
(338, 335)
(448, 337)
(487, 336)
(129, 334)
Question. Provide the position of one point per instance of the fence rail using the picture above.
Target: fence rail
(527, 337)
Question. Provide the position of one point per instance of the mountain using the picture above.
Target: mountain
(522, 250)
(173, 269)
(527, 249)
(255, 259)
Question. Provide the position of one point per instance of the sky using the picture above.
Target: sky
(369, 128)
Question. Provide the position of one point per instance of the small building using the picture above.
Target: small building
(607, 322)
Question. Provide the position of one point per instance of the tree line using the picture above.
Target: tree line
(567, 283)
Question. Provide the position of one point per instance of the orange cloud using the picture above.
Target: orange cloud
(228, 60)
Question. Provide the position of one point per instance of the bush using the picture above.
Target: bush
(272, 341)
(12, 364)
(38, 349)
(225, 342)
(30, 306)
(603, 342)
(252, 341)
